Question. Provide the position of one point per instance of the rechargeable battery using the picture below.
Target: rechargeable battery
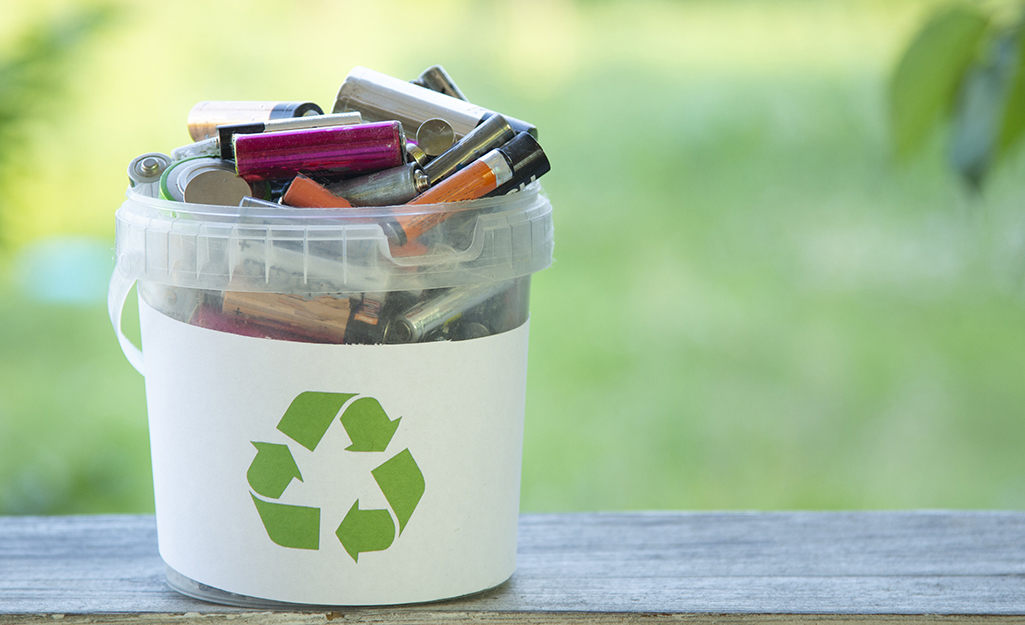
(343, 150)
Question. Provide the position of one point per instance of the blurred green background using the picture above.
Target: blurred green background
(752, 305)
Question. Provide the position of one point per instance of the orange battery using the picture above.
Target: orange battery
(477, 179)
(305, 193)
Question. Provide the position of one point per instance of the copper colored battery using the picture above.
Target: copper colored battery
(206, 116)
(306, 193)
(322, 319)
(355, 149)
(211, 318)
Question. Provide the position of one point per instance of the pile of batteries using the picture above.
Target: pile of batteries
(386, 143)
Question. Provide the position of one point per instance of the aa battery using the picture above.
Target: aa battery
(494, 132)
(205, 117)
(473, 181)
(321, 319)
(204, 181)
(527, 160)
(392, 186)
(346, 150)
(380, 97)
(437, 79)
(417, 322)
(225, 132)
(478, 179)
(144, 171)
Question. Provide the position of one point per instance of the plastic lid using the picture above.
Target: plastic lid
(289, 250)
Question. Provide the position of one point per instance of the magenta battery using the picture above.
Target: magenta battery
(342, 150)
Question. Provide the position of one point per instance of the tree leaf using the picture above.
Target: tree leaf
(1013, 122)
(926, 78)
(979, 110)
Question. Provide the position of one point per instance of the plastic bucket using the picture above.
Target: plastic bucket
(334, 420)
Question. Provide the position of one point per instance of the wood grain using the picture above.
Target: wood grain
(865, 567)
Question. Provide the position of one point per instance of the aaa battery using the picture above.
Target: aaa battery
(349, 150)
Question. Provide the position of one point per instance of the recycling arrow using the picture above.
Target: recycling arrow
(365, 530)
(402, 484)
(310, 415)
(297, 527)
(306, 421)
(368, 426)
(272, 470)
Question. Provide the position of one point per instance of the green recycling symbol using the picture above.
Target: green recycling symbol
(306, 421)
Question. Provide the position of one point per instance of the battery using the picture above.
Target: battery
(321, 319)
(204, 180)
(345, 150)
(417, 322)
(434, 136)
(304, 192)
(494, 132)
(379, 97)
(145, 170)
(387, 187)
(205, 117)
(225, 132)
(437, 79)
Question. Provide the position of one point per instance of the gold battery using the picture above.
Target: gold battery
(321, 319)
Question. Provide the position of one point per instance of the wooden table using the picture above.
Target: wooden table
(907, 567)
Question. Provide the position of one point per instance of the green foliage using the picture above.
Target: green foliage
(1013, 123)
(967, 66)
(927, 76)
(34, 78)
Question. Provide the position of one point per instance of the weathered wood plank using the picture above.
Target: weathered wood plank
(624, 567)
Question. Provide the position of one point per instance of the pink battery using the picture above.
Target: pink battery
(346, 150)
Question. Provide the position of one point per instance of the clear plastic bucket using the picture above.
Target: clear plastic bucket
(335, 419)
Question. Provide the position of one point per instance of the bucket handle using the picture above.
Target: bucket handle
(121, 282)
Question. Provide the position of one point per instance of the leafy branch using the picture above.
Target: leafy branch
(964, 67)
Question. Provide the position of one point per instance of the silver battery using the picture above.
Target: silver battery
(380, 97)
(434, 136)
(387, 187)
(494, 132)
(144, 172)
(437, 79)
(429, 315)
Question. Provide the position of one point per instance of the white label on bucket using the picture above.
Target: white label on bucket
(335, 474)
